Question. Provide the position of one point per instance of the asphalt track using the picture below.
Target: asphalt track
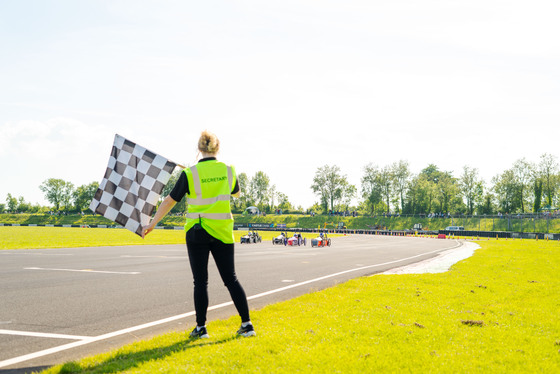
(63, 304)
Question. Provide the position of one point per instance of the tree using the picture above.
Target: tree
(506, 189)
(283, 202)
(423, 192)
(170, 184)
(523, 172)
(548, 168)
(58, 192)
(36, 208)
(349, 192)
(244, 200)
(66, 198)
(258, 188)
(448, 191)
(472, 187)
(23, 206)
(371, 188)
(11, 203)
(412, 198)
(439, 189)
(487, 206)
(273, 196)
(181, 206)
(432, 173)
(328, 184)
(401, 179)
(429, 192)
(537, 193)
(83, 195)
(386, 183)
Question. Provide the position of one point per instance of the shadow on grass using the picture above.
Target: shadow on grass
(124, 361)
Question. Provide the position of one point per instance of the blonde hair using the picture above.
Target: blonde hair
(208, 142)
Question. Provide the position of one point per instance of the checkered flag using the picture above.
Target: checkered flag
(132, 185)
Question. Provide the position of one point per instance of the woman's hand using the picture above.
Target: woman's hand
(164, 208)
(146, 230)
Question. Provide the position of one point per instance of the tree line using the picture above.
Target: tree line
(255, 191)
(63, 195)
(391, 189)
(524, 188)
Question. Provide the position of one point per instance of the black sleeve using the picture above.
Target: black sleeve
(181, 188)
(235, 188)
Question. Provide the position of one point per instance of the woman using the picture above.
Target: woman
(209, 226)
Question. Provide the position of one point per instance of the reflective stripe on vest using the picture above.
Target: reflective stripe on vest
(211, 200)
(209, 215)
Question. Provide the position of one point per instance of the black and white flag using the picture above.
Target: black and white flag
(132, 185)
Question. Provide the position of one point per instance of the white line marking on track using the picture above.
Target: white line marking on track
(79, 343)
(37, 254)
(43, 335)
(162, 256)
(87, 271)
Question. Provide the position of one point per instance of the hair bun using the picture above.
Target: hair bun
(208, 142)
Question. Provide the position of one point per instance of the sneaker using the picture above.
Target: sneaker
(246, 331)
(202, 333)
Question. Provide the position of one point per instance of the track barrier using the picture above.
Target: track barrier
(405, 233)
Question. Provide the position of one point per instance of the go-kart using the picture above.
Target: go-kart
(321, 241)
(251, 237)
(297, 239)
(280, 239)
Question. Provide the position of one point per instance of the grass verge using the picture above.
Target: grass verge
(30, 237)
(494, 312)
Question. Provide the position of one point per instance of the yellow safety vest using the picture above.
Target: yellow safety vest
(210, 185)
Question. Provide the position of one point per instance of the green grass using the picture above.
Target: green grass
(24, 237)
(47, 219)
(30, 237)
(496, 312)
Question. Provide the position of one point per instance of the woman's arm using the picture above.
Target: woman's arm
(164, 208)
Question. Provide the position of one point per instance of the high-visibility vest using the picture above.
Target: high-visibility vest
(210, 185)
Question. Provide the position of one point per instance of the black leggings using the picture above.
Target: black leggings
(199, 246)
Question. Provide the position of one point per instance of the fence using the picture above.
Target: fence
(518, 223)
(458, 233)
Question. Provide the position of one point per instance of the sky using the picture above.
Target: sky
(287, 86)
